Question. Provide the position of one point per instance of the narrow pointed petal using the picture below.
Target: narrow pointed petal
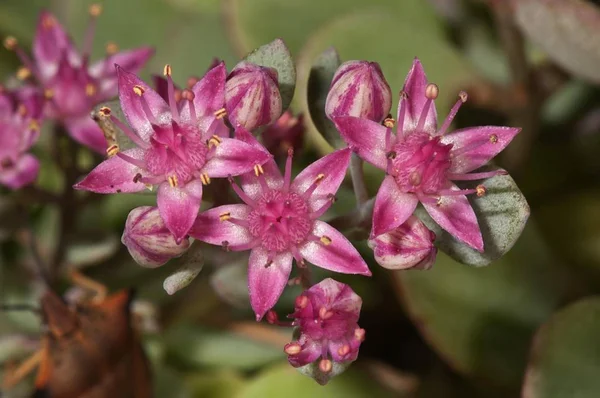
(486, 142)
(131, 60)
(114, 175)
(414, 86)
(209, 228)
(455, 215)
(333, 167)
(365, 137)
(24, 172)
(210, 91)
(132, 105)
(249, 182)
(392, 207)
(266, 283)
(234, 157)
(338, 256)
(49, 44)
(179, 206)
(85, 131)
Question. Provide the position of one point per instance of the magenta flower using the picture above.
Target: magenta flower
(252, 95)
(326, 317)
(359, 89)
(74, 85)
(408, 246)
(422, 161)
(279, 222)
(20, 119)
(179, 148)
(148, 240)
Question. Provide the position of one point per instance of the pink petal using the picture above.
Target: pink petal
(234, 157)
(338, 256)
(365, 137)
(130, 60)
(49, 43)
(414, 87)
(24, 172)
(266, 283)
(392, 207)
(311, 351)
(455, 214)
(179, 206)
(161, 86)
(85, 131)
(249, 182)
(114, 175)
(132, 105)
(336, 296)
(209, 92)
(486, 142)
(334, 167)
(210, 229)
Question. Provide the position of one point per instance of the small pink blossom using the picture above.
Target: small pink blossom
(422, 161)
(73, 84)
(408, 246)
(326, 317)
(279, 222)
(287, 132)
(20, 120)
(180, 146)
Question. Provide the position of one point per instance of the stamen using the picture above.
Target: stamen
(90, 89)
(473, 145)
(111, 48)
(11, 44)
(480, 190)
(324, 313)
(95, 10)
(149, 181)
(245, 198)
(431, 92)
(456, 192)
(105, 111)
(493, 138)
(136, 162)
(225, 245)
(389, 122)
(221, 113)
(138, 90)
(171, 92)
(205, 179)
(326, 240)
(224, 216)
(137, 177)
(34, 125)
(292, 348)
(462, 98)
(272, 317)
(344, 350)
(173, 181)
(191, 81)
(287, 179)
(215, 141)
(125, 129)
(48, 94)
(298, 257)
(258, 170)
(325, 365)
(476, 176)
(314, 185)
(359, 334)
(189, 96)
(112, 150)
(48, 22)
(301, 302)
(23, 73)
(402, 112)
(323, 209)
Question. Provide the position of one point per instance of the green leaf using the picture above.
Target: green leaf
(276, 55)
(191, 263)
(91, 248)
(230, 282)
(565, 358)
(221, 384)
(502, 214)
(481, 320)
(284, 381)
(319, 80)
(196, 346)
(567, 30)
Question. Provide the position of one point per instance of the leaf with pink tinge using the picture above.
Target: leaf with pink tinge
(266, 282)
(179, 206)
(501, 214)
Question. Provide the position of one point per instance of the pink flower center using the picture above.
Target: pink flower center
(280, 220)
(420, 162)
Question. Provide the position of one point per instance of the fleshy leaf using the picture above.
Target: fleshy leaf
(192, 263)
(230, 282)
(501, 213)
(319, 80)
(565, 361)
(276, 55)
(89, 249)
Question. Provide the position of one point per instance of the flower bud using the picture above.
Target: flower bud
(359, 89)
(408, 246)
(148, 240)
(287, 132)
(252, 97)
(327, 332)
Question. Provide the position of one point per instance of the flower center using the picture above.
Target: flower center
(280, 220)
(420, 162)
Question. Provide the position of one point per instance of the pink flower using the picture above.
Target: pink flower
(326, 317)
(359, 89)
(74, 85)
(422, 161)
(148, 240)
(408, 246)
(180, 147)
(252, 96)
(20, 119)
(287, 132)
(279, 222)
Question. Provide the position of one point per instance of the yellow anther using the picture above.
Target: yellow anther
(167, 70)
(493, 138)
(258, 170)
(173, 181)
(138, 90)
(22, 109)
(90, 89)
(112, 151)
(292, 349)
(10, 43)
(480, 190)
(205, 179)
(111, 48)
(325, 365)
(432, 91)
(344, 350)
(34, 125)
(359, 334)
(324, 313)
(326, 240)
(215, 140)
(95, 10)
(48, 93)
(221, 113)
(463, 96)
(389, 122)
(104, 111)
(224, 216)
(23, 73)
(319, 178)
